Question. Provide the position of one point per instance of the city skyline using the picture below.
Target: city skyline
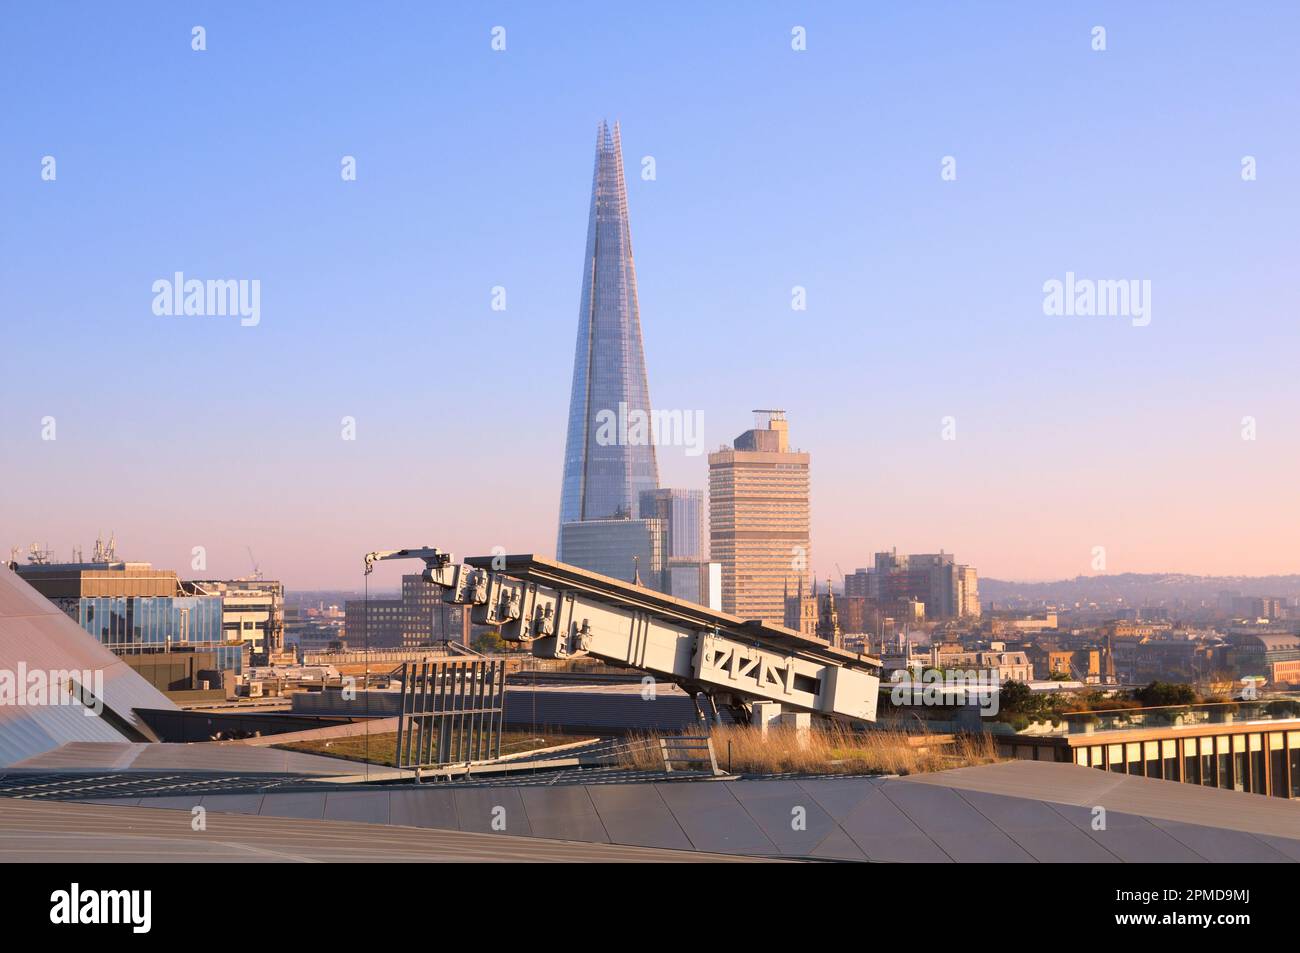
(924, 296)
(958, 530)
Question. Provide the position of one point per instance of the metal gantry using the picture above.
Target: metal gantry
(563, 612)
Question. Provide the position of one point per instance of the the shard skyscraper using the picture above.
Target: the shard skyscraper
(608, 460)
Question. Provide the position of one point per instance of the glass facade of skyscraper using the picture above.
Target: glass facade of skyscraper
(607, 465)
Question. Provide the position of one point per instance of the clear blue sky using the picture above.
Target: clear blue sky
(775, 168)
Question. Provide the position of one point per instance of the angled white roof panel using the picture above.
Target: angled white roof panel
(35, 636)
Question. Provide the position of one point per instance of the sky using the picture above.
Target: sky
(821, 168)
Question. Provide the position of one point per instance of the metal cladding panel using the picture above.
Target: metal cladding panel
(837, 845)
(878, 827)
(369, 807)
(596, 710)
(37, 636)
(891, 820)
(206, 757)
(1038, 829)
(635, 814)
(838, 796)
(306, 805)
(1220, 846)
(791, 819)
(232, 803)
(424, 807)
(714, 820)
(1130, 838)
(1283, 845)
(962, 832)
(491, 811)
(563, 813)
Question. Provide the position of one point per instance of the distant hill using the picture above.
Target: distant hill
(1140, 588)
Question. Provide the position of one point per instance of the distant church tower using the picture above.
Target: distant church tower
(801, 610)
(828, 619)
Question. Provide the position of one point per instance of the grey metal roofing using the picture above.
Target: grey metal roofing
(599, 710)
(965, 815)
(35, 635)
(1175, 801)
(101, 785)
(203, 756)
(44, 831)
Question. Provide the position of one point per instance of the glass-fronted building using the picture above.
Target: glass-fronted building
(136, 624)
(133, 608)
(621, 549)
(608, 458)
(681, 516)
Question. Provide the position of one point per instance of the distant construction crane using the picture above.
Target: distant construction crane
(257, 569)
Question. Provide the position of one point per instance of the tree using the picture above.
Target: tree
(489, 642)
(1017, 697)
(1159, 694)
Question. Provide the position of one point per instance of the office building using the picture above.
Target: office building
(759, 518)
(420, 617)
(946, 589)
(252, 612)
(133, 608)
(681, 519)
(374, 623)
(631, 550)
(427, 618)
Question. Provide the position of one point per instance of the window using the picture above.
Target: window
(1191, 762)
(1277, 764)
(1293, 761)
(1169, 755)
(1133, 755)
(1115, 755)
(1151, 758)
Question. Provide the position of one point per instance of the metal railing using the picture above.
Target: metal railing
(1181, 716)
(451, 712)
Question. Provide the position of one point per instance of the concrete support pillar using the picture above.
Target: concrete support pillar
(801, 723)
(764, 714)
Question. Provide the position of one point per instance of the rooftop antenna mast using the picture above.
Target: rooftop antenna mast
(105, 553)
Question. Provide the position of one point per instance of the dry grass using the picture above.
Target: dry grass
(832, 749)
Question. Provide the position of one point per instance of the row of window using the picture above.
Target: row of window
(1259, 762)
